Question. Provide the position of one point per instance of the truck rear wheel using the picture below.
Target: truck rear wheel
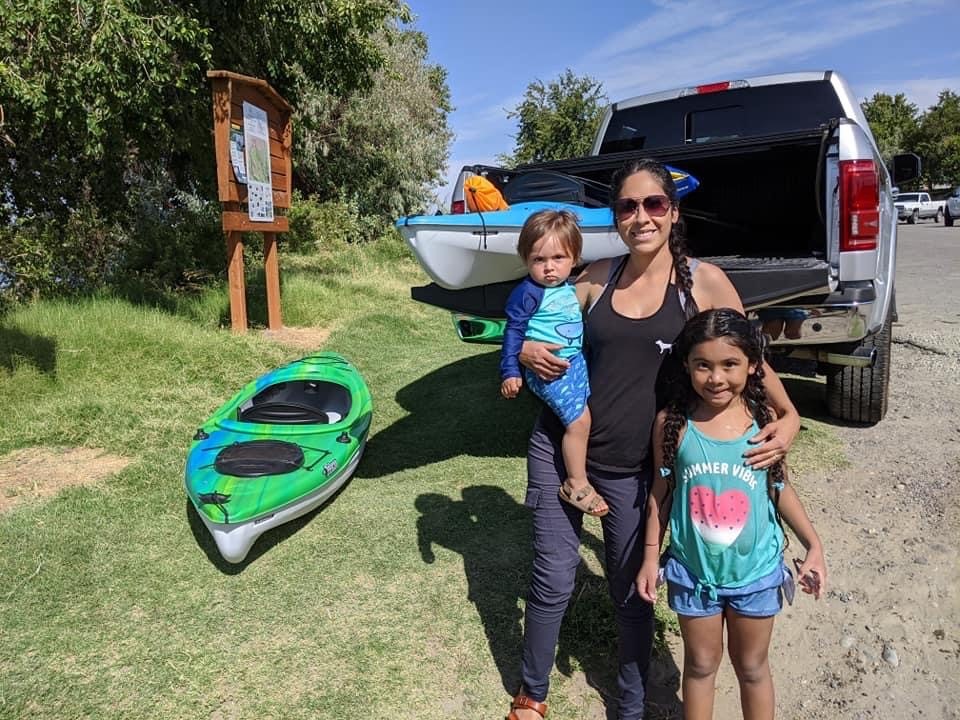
(947, 218)
(939, 217)
(860, 394)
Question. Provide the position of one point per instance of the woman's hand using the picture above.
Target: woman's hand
(647, 580)
(538, 356)
(773, 442)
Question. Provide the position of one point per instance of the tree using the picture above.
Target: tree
(85, 88)
(940, 140)
(94, 90)
(102, 102)
(894, 123)
(383, 148)
(557, 120)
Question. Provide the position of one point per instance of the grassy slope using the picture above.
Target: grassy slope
(403, 595)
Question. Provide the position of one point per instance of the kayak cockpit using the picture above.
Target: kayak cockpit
(297, 402)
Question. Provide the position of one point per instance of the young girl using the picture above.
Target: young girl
(544, 307)
(725, 558)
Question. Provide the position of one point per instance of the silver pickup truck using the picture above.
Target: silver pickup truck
(794, 203)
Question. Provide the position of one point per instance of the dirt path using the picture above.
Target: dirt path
(886, 642)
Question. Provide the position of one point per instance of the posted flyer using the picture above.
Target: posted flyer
(256, 137)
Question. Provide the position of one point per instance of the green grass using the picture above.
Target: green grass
(402, 597)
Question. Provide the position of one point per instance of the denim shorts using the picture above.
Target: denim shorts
(761, 598)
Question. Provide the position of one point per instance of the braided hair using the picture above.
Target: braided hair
(678, 240)
(734, 328)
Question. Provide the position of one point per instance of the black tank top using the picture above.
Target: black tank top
(625, 356)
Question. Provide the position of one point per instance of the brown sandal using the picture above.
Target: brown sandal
(522, 702)
(586, 500)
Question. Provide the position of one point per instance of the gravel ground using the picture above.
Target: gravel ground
(885, 642)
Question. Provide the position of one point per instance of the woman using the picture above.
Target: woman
(636, 307)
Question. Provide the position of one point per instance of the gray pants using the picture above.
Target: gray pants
(557, 527)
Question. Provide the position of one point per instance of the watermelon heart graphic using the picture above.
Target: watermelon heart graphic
(719, 518)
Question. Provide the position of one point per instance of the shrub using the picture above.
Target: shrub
(325, 225)
(50, 255)
(175, 235)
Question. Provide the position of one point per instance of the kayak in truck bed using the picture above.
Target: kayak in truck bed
(468, 250)
(279, 448)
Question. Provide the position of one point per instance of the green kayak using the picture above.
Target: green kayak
(276, 450)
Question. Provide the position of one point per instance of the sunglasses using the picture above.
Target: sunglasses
(653, 205)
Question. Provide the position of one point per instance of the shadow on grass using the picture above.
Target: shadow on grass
(17, 347)
(270, 539)
(454, 410)
(493, 534)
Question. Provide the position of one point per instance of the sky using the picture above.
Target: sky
(492, 50)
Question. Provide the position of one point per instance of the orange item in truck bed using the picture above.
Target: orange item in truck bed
(482, 195)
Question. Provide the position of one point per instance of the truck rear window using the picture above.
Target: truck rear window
(727, 115)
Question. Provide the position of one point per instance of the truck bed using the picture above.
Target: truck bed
(756, 214)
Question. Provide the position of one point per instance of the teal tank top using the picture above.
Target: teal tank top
(723, 526)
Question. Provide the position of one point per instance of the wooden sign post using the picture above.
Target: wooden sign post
(254, 171)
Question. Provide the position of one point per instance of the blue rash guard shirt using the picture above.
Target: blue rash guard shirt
(535, 312)
(552, 315)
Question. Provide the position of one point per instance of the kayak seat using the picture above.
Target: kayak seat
(299, 402)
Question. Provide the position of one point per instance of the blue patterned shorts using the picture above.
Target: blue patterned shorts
(567, 395)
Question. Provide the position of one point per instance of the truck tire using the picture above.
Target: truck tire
(939, 218)
(948, 218)
(860, 394)
(913, 217)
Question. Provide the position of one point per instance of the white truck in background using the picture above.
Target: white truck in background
(913, 206)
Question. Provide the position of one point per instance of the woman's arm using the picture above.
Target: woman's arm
(713, 289)
(775, 438)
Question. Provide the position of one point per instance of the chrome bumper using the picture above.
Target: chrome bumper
(797, 331)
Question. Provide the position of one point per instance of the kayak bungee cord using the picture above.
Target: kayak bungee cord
(483, 223)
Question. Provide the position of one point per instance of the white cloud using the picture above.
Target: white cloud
(685, 42)
(674, 19)
(741, 43)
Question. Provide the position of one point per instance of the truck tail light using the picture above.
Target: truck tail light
(859, 205)
(458, 207)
